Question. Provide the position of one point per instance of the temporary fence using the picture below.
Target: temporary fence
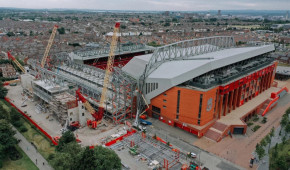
(129, 133)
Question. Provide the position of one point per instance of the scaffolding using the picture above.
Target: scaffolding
(89, 80)
(151, 149)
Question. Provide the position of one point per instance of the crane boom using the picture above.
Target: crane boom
(50, 41)
(109, 69)
(16, 62)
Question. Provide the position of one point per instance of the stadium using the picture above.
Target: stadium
(208, 86)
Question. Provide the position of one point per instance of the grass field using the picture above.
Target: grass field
(24, 163)
(43, 145)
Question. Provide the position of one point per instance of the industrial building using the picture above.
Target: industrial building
(195, 84)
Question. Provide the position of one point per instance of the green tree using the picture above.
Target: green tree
(10, 34)
(62, 161)
(7, 141)
(61, 30)
(3, 91)
(281, 163)
(66, 138)
(263, 142)
(260, 151)
(4, 114)
(99, 158)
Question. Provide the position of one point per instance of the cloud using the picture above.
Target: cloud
(171, 5)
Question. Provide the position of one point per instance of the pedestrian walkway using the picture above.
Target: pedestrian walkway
(31, 152)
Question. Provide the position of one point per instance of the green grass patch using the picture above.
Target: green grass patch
(24, 163)
(280, 156)
(43, 145)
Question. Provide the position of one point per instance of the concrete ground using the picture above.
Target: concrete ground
(86, 135)
(51, 127)
(239, 149)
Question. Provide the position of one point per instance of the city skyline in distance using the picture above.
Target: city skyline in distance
(150, 5)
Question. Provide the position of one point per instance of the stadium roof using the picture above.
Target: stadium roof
(174, 72)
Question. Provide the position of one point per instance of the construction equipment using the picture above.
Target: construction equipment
(139, 115)
(74, 125)
(109, 70)
(16, 62)
(50, 41)
(133, 150)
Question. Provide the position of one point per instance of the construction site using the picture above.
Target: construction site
(201, 86)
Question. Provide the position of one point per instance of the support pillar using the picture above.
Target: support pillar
(220, 105)
(261, 84)
(231, 101)
(239, 96)
(226, 104)
(270, 80)
(235, 98)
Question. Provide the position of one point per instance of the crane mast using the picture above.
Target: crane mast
(99, 115)
(50, 41)
(109, 69)
(16, 62)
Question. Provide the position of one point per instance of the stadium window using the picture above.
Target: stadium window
(164, 107)
(200, 105)
(164, 100)
(178, 101)
(164, 94)
(83, 114)
(177, 116)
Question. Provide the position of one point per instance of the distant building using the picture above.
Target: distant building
(8, 71)
(166, 13)
(287, 15)
(219, 13)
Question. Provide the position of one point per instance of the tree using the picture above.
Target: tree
(61, 30)
(7, 141)
(99, 158)
(4, 114)
(66, 138)
(260, 151)
(263, 142)
(10, 34)
(281, 163)
(62, 161)
(3, 91)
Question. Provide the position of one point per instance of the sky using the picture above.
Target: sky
(152, 5)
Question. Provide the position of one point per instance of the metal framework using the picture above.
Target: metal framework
(129, 47)
(90, 80)
(180, 51)
(184, 49)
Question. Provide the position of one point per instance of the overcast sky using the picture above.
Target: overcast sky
(161, 5)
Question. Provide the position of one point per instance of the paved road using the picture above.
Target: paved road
(31, 152)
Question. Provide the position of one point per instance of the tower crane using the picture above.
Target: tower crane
(16, 62)
(50, 41)
(99, 115)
